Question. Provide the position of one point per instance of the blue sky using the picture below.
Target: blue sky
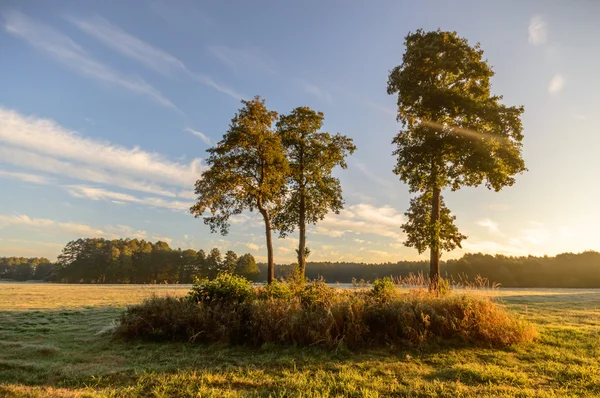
(106, 112)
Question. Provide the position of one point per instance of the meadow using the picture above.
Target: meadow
(54, 343)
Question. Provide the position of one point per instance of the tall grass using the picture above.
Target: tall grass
(315, 314)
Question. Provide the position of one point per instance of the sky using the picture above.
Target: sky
(107, 109)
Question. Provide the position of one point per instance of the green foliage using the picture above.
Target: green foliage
(383, 289)
(23, 269)
(454, 132)
(422, 233)
(246, 267)
(278, 289)
(316, 294)
(246, 171)
(139, 261)
(225, 288)
(312, 191)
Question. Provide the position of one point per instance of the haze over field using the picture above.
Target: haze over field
(105, 117)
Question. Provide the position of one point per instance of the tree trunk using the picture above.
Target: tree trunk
(302, 240)
(434, 259)
(270, 261)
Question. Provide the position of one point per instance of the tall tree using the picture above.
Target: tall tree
(312, 191)
(454, 131)
(247, 170)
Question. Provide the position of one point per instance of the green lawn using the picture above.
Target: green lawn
(50, 346)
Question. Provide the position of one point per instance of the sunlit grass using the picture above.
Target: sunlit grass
(50, 346)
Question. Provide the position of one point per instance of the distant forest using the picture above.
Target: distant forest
(139, 261)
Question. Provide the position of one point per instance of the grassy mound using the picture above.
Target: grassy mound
(316, 314)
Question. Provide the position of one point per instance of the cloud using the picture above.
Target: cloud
(87, 158)
(556, 84)
(372, 176)
(166, 239)
(490, 225)
(318, 92)
(200, 135)
(95, 193)
(240, 59)
(66, 51)
(538, 30)
(25, 177)
(252, 246)
(363, 219)
(73, 229)
(149, 56)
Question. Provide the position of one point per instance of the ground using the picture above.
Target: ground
(53, 343)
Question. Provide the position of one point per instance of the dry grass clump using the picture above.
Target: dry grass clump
(316, 314)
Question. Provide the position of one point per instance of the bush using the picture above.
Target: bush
(277, 290)
(316, 294)
(320, 316)
(225, 288)
(383, 289)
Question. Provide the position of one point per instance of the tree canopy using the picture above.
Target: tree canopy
(454, 131)
(312, 191)
(246, 171)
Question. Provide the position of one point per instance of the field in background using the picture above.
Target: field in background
(51, 344)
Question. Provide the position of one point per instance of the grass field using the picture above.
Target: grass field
(52, 345)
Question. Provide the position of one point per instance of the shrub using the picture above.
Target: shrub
(316, 294)
(277, 290)
(383, 289)
(320, 316)
(225, 288)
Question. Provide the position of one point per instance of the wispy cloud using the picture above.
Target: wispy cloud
(316, 91)
(200, 135)
(149, 56)
(372, 176)
(538, 30)
(96, 193)
(25, 177)
(240, 59)
(556, 84)
(491, 226)
(252, 246)
(102, 162)
(67, 52)
(71, 228)
(363, 219)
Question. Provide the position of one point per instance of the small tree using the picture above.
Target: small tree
(247, 170)
(455, 133)
(312, 191)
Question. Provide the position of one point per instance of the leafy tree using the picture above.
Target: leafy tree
(420, 231)
(247, 170)
(230, 262)
(454, 131)
(246, 267)
(213, 262)
(312, 191)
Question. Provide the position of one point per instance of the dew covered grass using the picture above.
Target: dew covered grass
(52, 344)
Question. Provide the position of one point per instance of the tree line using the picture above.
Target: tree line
(98, 260)
(24, 269)
(566, 270)
(137, 261)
